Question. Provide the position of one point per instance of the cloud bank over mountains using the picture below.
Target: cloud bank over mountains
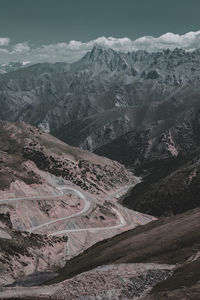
(74, 50)
(4, 41)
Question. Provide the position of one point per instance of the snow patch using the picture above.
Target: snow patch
(24, 63)
(44, 126)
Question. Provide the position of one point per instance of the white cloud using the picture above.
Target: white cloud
(188, 41)
(74, 50)
(2, 50)
(21, 48)
(4, 41)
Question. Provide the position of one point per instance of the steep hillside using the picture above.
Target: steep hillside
(171, 187)
(22, 253)
(162, 130)
(185, 282)
(21, 144)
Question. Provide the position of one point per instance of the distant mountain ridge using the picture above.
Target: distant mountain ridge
(13, 66)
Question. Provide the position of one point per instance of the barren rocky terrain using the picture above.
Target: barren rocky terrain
(55, 202)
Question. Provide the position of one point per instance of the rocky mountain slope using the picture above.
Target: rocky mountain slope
(164, 130)
(170, 187)
(21, 144)
(23, 253)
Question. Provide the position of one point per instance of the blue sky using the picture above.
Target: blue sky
(37, 27)
(53, 21)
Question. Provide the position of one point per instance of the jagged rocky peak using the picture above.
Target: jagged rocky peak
(107, 58)
(179, 51)
(101, 51)
(138, 55)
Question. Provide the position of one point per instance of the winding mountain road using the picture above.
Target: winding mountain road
(94, 229)
(86, 208)
(30, 198)
(122, 223)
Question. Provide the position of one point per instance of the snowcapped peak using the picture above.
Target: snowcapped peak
(25, 63)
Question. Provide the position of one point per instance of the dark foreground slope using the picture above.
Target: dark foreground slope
(183, 284)
(172, 186)
(169, 240)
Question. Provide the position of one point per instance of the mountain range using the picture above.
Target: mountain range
(12, 66)
(76, 142)
(104, 95)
